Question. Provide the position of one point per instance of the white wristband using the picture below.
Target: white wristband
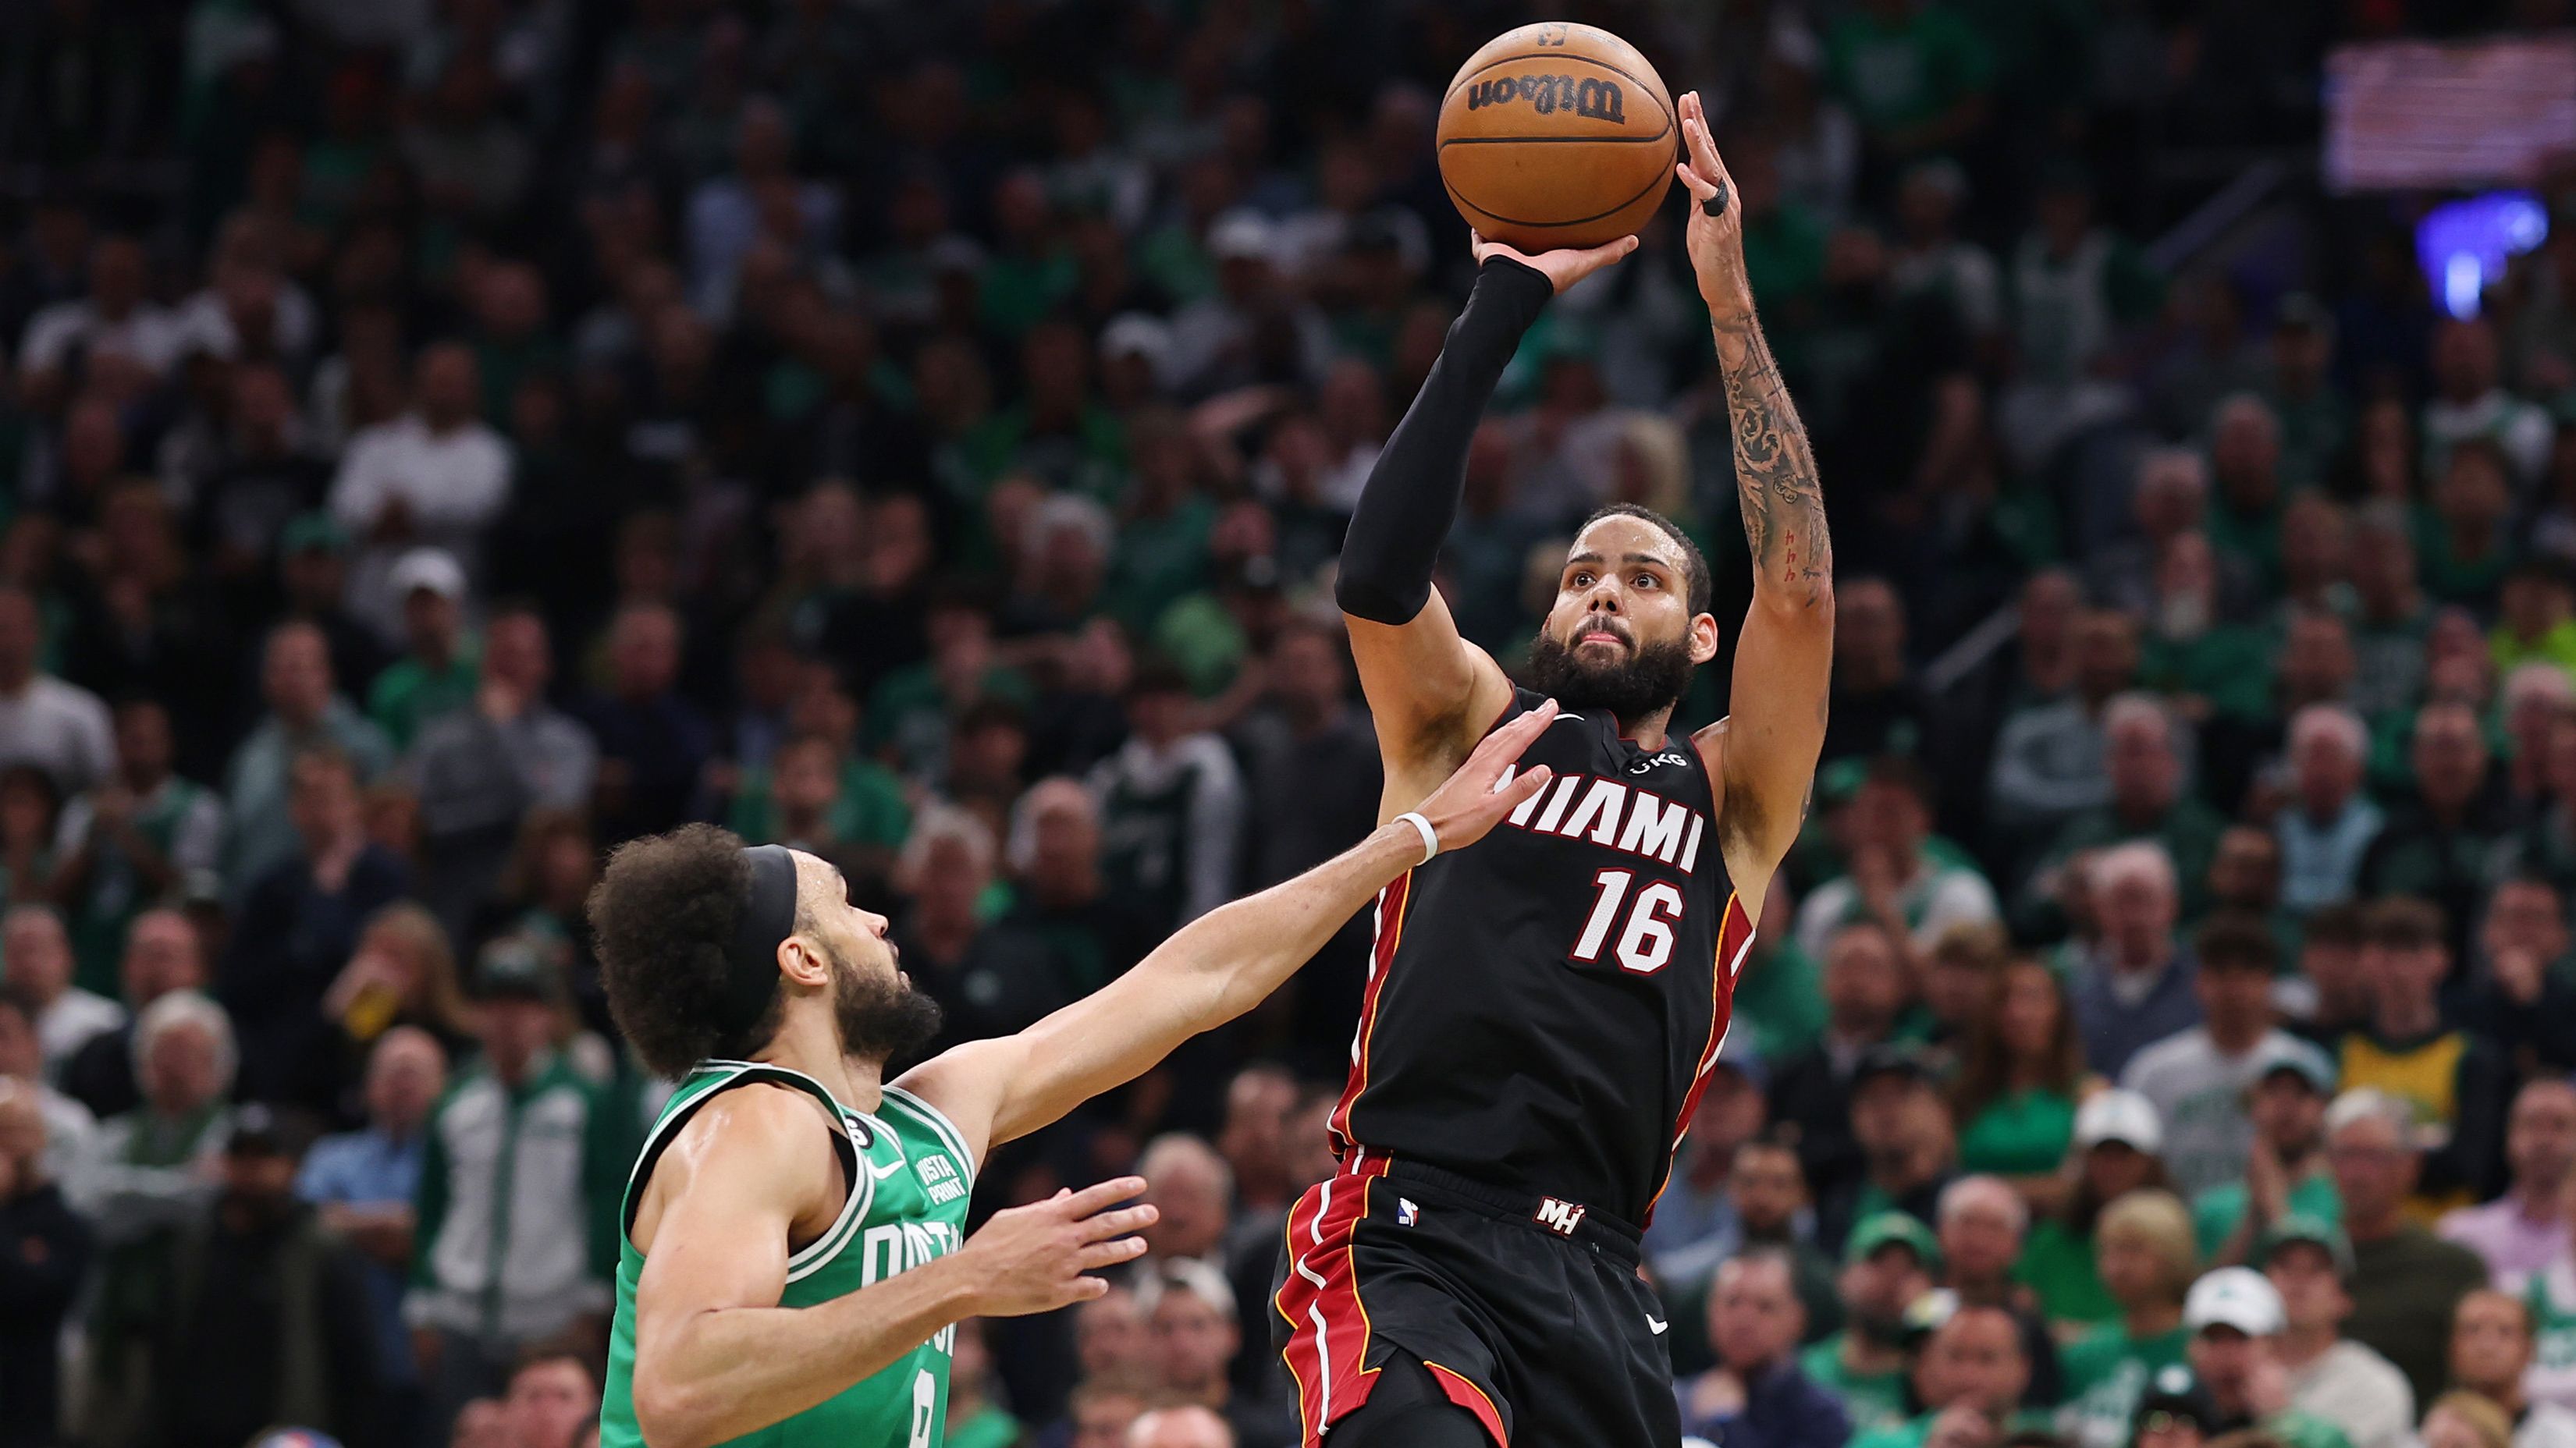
(1430, 836)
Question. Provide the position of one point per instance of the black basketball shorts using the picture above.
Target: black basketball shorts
(1528, 1311)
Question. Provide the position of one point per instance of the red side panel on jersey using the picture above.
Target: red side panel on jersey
(1327, 1350)
(1390, 935)
(1734, 938)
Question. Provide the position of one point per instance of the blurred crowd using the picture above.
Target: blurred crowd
(441, 439)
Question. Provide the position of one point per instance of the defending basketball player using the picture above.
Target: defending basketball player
(1543, 1009)
(792, 1254)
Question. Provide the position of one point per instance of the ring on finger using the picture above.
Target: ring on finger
(1715, 205)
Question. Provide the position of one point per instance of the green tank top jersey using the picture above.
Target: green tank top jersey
(909, 1179)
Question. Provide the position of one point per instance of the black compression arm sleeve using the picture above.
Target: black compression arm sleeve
(1412, 495)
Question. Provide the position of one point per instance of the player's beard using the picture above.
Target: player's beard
(1651, 677)
(880, 1017)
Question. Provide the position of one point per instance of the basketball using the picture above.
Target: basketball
(1557, 135)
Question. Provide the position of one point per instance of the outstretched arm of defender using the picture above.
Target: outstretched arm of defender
(716, 1357)
(1430, 690)
(1784, 657)
(1219, 966)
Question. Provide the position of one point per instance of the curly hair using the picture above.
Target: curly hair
(664, 913)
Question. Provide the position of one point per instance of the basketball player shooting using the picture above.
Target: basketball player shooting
(1543, 1009)
(792, 1253)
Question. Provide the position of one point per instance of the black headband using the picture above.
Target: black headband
(768, 917)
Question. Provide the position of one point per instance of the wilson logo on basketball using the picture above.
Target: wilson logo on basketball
(1598, 100)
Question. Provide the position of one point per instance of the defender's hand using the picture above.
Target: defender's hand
(1716, 243)
(1478, 795)
(1033, 1258)
(1563, 267)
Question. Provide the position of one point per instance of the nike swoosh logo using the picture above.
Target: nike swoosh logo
(1568, 719)
(1655, 1327)
(882, 1172)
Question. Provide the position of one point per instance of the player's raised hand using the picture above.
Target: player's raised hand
(1564, 267)
(1715, 233)
(1037, 1258)
(1485, 789)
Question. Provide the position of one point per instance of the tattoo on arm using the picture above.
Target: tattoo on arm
(1775, 469)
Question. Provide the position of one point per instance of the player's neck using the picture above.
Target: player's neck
(806, 1042)
(1648, 731)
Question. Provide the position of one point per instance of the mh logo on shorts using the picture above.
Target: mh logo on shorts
(1559, 1217)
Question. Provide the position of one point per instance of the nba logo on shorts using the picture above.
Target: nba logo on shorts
(1406, 1213)
(1559, 1217)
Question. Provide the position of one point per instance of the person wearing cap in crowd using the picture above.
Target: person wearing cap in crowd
(1981, 1225)
(436, 672)
(2492, 1347)
(1889, 1263)
(2234, 1317)
(1901, 1121)
(262, 1316)
(2199, 1078)
(2452, 1078)
(1696, 1223)
(1758, 1396)
(2174, 1411)
(1969, 1378)
(1865, 993)
(2285, 1164)
(519, 1127)
(45, 1251)
(2406, 1281)
(1212, 338)
(2147, 1262)
(2117, 1136)
(313, 576)
(2520, 1232)
(2309, 1264)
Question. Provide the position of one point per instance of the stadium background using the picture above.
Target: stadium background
(442, 438)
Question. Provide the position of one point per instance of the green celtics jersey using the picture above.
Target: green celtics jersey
(909, 1178)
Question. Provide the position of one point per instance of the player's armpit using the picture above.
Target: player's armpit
(1431, 695)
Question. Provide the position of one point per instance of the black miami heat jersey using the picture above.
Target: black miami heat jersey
(1543, 1006)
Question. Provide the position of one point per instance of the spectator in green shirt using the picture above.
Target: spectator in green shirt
(2018, 1084)
(1970, 1377)
(2117, 1136)
(439, 667)
(1915, 75)
(2535, 617)
(849, 811)
(1888, 1265)
(2285, 1170)
(2145, 1254)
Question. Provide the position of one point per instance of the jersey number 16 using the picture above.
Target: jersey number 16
(1646, 943)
